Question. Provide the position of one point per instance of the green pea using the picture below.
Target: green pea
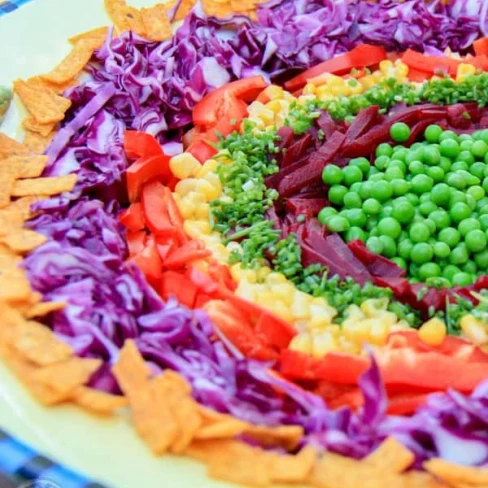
(400, 262)
(352, 174)
(419, 232)
(336, 194)
(403, 211)
(432, 133)
(352, 200)
(456, 180)
(421, 184)
(365, 189)
(436, 173)
(466, 156)
(384, 149)
(441, 250)
(459, 255)
(338, 224)
(475, 240)
(470, 267)
(375, 245)
(432, 156)
(325, 214)
(332, 175)
(371, 206)
(449, 236)
(479, 149)
(462, 279)
(421, 253)
(400, 132)
(481, 259)
(389, 246)
(362, 163)
(400, 187)
(460, 211)
(429, 270)
(477, 169)
(355, 233)
(356, 217)
(389, 227)
(448, 134)
(382, 191)
(417, 168)
(440, 218)
(449, 271)
(404, 248)
(449, 148)
(425, 208)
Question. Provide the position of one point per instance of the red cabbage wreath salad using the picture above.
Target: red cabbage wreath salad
(264, 234)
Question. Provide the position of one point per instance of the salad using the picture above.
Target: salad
(269, 247)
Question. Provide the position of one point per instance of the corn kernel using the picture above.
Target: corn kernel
(214, 180)
(195, 228)
(185, 186)
(184, 165)
(284, 292)
(208, 166)
(278, 307)
(356, 331)
(309, 89)
(463, 71)
(274, 92)
(353, 312)
(433, 332)
(318, 323)
(220, 253)
(474, 330)
(262, 273)
(186, 208)
(246, 290)
(302, 343)
(379, 330)
(278, 106)
(374, 306)
(345, 345)
(301, 305)
(201, 211)
(209, 191)
(386, 66)
(402, 69)
(323, 343)
(324, 91)
(255, 109)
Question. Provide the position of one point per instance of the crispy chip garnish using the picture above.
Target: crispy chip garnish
(68, 375)
(23, 240)
(421, 479)
(43, 103)
(227, 428)
(39, 345)
(14, 286)
(217, 8)
(44, 186)
(58, 88)
(184, 9)
(156, 23)
(292, 468)
(131, 371)
(7, 180)
(72, 65)
(26, 372)
(9, 261)
(117, 11)
(287, 436)
(392, 456)
(454, 473)
(25, 166)
(36, 143)
(11, 147)
(97, 401)
(10, 318)
(96, 36)
(31, 124)
(240, 463)
(244, 6)
(44, 308)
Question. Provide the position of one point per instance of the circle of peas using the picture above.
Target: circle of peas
(425, 207)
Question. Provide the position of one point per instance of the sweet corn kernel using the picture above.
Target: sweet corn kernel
(324, 91)
(275, 278)
(284, 292)
(323, 343)
(208, 166)
(474, 330)
(255, 109)
(274, 92)
(353, 312)
(209, 191)
(195, 228)
(301, 305)
(463, 71)
(201, 211)
(214, 180)
(220, 253)
(184, 165)
(379, 330)
(279, 308)
(433, 332)
(318, 323)
(278, 106)
(302, 343)
(186, 208)
(374, 306)
(386, 66)
(325, 313)
(309, 89)
(185, 186)
(402, 69)
(246, 290)
(262, 273)
(346, 345)
(356, 331)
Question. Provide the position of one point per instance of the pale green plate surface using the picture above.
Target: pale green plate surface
(33, 40)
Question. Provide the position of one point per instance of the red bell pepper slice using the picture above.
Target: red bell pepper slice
(276, 331)
(206, 112)
(480, 46)
(221, 274)
(334, 367)
(154, 202)
(149, 261)
(185, 254)
(136, 242)
(430, 64)
(133, 217)
(201, 150)
(236, 328)
(177, 285)
(139, 144)
(144, 170)
(405, 403)
(361, 56)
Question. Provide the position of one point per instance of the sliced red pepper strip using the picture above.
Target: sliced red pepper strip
(405, 403)
(177, 285)
(149, 261)
(206, 111)
(154, 199)
(480, 46)
(139, 144)
(361, 56)
(133, 217)
(429, 370)
(144, 170)
(136, 242)
(277, 332)
(334, 367)
(430, 64)
(184, 255)
(202, 151)
(235, 327)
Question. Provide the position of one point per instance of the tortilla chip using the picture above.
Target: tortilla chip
(58, 88)
(30, 123)
(44, 308)
(36, 143)
(391, 456)
(217, 9)
(20, 209)
(131, 370)
(11, 147)
(7, 180)
(287, 436)
(244, 6)
(96, 36)
(44, 186)
(25, 372)
(118, 12)
(240, 463)
(156, 23)
(72, 65)
(188, 419)
(184, 9)
(98, 402)
(43, 103)
(10, 318)
(9, 261)
(66, 376)
(421, 479)
(227, 428)
(38, 344)
(333, 471)
(454, 473)
(203, 450)
(14, 286)
(23, 240)
(290, 468)
(25, 166)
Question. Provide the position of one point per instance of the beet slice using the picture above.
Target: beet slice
(297, 150)
(363, 121)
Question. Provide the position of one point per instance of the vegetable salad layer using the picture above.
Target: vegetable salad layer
(271, 247)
